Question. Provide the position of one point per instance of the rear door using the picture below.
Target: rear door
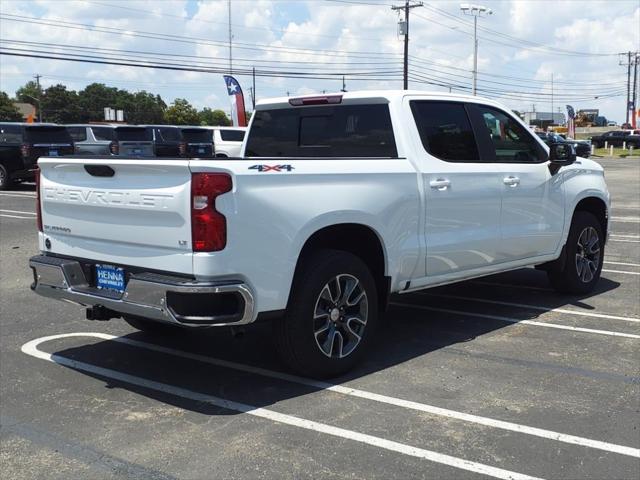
(47, 141)
(532, 214)
(134, 141)
(462, 193)
(120, 211)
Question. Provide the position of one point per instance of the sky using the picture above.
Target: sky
(521, 45)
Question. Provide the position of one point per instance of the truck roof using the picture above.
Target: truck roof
(375, 96)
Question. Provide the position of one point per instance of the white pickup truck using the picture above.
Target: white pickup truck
(338, 202)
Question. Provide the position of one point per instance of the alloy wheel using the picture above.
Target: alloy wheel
(588, 254)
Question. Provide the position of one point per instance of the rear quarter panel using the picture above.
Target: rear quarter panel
(271, 214)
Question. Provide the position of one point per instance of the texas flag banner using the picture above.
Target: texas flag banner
(238, 115)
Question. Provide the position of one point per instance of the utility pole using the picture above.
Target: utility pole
(230, 40)
(634, 98)
(253, 90)
(37, 76)
(407, 7)
(475, 11)
(344, 85)
(628, 65)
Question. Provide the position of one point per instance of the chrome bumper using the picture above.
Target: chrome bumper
(146, 294)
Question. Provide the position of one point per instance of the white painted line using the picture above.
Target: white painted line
(623, 263)
(16, 194)
(579, 313)
(18, 211)
(515, 320)
(31, 348)
(421, 407)
(620, 271)
(621, 240)
(617, 235)
(15, 216)
(626, 219)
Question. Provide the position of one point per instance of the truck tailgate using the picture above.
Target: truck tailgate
(123, 211)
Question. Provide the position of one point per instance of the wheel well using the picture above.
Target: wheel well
(359, 240)
(596, 207)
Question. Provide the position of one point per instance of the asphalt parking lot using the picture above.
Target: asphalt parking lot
(499, 377)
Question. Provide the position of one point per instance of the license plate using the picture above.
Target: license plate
(201, 150)
(110, 277)
(53, 153)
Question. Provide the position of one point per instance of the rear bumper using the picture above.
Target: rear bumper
(159, 297)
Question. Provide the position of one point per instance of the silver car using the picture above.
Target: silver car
(91, 139)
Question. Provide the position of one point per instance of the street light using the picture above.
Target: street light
(476, 11)
(39, 109)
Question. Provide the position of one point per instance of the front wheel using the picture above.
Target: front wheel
(584, 255)
(5, 179)
(331, 317)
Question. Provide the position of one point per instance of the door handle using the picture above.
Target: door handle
(511, 181)
(440, 184)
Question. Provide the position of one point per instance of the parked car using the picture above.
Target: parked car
(581, 147)
(340, 201)
(91, 139)
(617, 138)
(227, 141)
(22, 145)
(197, 142)
(132, 140)
(166, 140)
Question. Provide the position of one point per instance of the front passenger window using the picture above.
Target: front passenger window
(511, 141)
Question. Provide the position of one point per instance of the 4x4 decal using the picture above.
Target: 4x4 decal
(271, 168)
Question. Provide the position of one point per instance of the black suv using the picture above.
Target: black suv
(21, 144)
(166, 140)
(197, 142)
(582, 148)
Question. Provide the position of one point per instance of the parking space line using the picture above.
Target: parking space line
(410, 405)
(618, 235)
(623, 240)
(626, 219)
(16, 194)
(15, 216)
(620, 271)
(622, 263)
(515, 320)
(17, 211)
(535, 307)
(31, 348)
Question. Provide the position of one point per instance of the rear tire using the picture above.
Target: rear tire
(584, 252)
(155, 328)
(5, 179)
(331, 317)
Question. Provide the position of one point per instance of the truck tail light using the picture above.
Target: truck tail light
(208, 226)
(114, 148)
(38, 201)
(25, 149)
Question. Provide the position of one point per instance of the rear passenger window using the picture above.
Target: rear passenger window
(232, 135)
(79, 134)
(445, 130)
(102, 133)
(327, 131)
(511, 141)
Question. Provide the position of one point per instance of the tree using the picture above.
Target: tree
(8, 111)
(181, 112)
(146, 107)
(28, 92)
(60, 105)
(213, 117)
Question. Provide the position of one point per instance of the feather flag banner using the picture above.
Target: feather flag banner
(238, 115)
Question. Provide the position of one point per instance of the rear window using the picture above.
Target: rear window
(79, 134)
(232, 135)
(200, 135)
(326, 131)
(47, 135)
(102, 133)
(133, 134)
(445, 130)
(10, 134)
(168, 134)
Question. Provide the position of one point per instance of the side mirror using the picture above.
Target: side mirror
(561, 154)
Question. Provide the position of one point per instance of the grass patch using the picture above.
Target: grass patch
(617, 152)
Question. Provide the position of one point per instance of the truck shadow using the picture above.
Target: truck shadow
(405, 333)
